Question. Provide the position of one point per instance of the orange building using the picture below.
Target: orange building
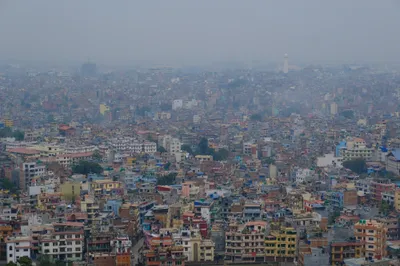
(373, 234)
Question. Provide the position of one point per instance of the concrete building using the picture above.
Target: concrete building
(373, 235)
(245, 243)
(392, 162)
(64, 242)
(346, 249)
(356, 148)
(70, 190)
(18, 247)
(31, 170)
(313, 257)
(281, 245)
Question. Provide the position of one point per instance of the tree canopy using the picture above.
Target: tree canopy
(167, 179)
(161, 149)
(204, 149)
(85, 167)
(357, 165)
(9, 133)
(187, 148)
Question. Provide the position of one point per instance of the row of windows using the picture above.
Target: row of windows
(62, 250)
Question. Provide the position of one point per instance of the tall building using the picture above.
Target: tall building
(373, 235)
(286, 64)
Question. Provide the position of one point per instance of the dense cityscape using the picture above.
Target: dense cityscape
(162, 166)
(199, 133)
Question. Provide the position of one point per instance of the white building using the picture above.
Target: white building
(172, 145)
(303, 175)
(32, 170)
(132, 145)
(334, 108)
(356, 148)
(196, 119)
(18, 247)
(177, 104)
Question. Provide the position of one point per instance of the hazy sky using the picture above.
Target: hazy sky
(199, 31)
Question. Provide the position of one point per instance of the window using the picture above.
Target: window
(55, 250)
(370, 246)
(69, 255)
(10, 248)
(46, 251)
(69, 243)
(78, 242)
(370, 238)
(26, 250)
(78, 249)
(10, 255)
(69, 249)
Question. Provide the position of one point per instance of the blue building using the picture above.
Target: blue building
(340, 146)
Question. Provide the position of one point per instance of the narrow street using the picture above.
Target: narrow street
(136, 249)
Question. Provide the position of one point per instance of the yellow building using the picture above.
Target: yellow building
(346, 250)
(103, 187)
(90, 206)
(204, 158)
(8, 122)
(47, 150)
(130, 161)
(70, 190)
(397, 199)
(280, 245)
(104, 108)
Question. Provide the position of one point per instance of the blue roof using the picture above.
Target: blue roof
(383, 149)
(396, 153)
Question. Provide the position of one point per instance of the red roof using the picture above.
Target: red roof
(24, 151)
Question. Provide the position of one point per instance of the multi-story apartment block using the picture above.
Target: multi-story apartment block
(373, 234)
(195, 247)
(379, 186)
(356, 148)
(345, 250)
(68, 160)
(245, 243)
(281, 244)
(172, 145)
(31, 170)
(132, 145)
(121, 247)
(18, 247)
(64, 242)
(251, 211)
(163, 251)
(106, 187)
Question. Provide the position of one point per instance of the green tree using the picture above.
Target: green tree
(221, 155)
(11, 264)
(384, 208)
(97, 156)
(167, 179)
(167, 166)
(161, 149)
(357, 165)
(186, 148)
(24, 261)
(256, 117)
(349, 114)
(202, 147)
(85, 167)
(19, 135)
